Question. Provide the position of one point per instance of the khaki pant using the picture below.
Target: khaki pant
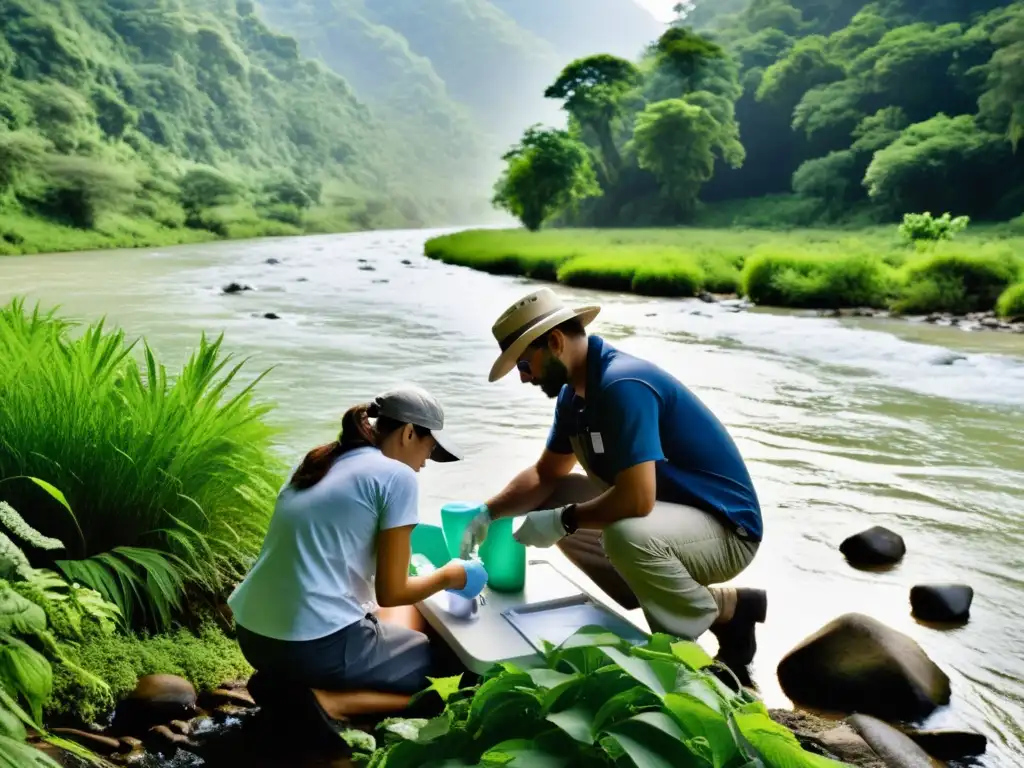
(662, 563)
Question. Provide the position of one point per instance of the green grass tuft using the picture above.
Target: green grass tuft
(170, 479)
(1011, 303)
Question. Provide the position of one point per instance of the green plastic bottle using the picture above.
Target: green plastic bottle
(504, 558)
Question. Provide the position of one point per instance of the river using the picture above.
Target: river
(846, 423)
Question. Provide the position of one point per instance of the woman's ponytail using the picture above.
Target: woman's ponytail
(356, 432)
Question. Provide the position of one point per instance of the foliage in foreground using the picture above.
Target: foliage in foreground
(595, 700)
(810, 269)
(165, 485)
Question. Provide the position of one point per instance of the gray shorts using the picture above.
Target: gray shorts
(367, 655)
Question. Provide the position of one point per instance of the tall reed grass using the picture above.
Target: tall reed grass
(810, 268)
(169, 481)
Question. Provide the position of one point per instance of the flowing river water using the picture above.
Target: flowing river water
(845, 423)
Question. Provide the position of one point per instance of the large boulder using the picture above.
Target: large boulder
(857, 664)
(874, 547)
(157, 699)
(941, 603)
(949, 744)
(895, 748)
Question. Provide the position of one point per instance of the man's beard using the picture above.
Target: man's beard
(555, 375)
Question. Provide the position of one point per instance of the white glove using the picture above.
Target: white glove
(542, 528)
(475, 532)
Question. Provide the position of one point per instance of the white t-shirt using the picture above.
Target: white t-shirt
(315, 573)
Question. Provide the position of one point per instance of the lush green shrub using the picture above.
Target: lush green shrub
(169, 480)
(816, 281)
(673, 278)
(78, 189)
(1011, 302)
(924, 227)
(956, 281)
(597, 701)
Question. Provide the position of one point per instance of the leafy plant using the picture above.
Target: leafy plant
(595, 700)
(918, 227)
(169, 482)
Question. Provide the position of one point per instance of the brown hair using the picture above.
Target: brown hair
(356, 432)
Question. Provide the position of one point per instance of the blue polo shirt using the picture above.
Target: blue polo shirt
(636, 412)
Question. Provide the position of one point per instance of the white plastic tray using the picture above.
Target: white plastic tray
(555, 621)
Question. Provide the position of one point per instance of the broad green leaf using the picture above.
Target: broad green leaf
(29, 673)
(16, 754)
(15, 523)
(549, 678)
(496, 687)
(622, 706)
(703, 689)
(404, 728)
(659, 676)
(18, 615)
(10, 725)
(435, 728)
(575, 721)
(10, 705)
(776, 745)
(445, 686)
(513, 712)
(691, 654)
(699, 721)
(521, 752)
(13, 563)
(564, 694)
(56, 494)
(591, 637)
(654, 740)
(358, 740)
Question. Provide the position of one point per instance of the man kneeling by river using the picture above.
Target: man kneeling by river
(667, 506)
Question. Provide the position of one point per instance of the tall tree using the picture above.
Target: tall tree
(592, 90)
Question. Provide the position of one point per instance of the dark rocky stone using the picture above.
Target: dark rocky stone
(707, 298)
(101, 745)
(235, 697)
(367, 268)
(897, 749)
(874, 547)
(129, 744)
(947, 358)
(271, 316)
(857, 664)
(382, 280)
(991, 322)
(828, 738)
(236, 288)
(272, 260)
(942, 603)
(407, 262)
(180, 726)
(156, 699)
(301, 279)
(948, 744)
(162, 739)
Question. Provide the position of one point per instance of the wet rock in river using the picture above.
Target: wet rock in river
(271, 316)
(949, 744)
(947, 358)
(897, 749)
(706, 297)
(367, 268)
(874, 547)
(272, 260)
(235, 697)
(828, 738)
(236, 288)
(156, 699)
(407, 262)
(164, 741)
(857, 664)
(942, 603)
(129, 744)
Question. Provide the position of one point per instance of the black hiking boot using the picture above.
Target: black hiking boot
(736, 641)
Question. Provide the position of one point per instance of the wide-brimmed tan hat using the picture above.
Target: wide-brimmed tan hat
(527, 320)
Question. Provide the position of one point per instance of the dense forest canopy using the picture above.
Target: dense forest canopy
(852, 108)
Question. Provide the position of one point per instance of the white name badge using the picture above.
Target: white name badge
(597, 442)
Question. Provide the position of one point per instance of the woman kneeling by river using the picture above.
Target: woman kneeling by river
(338, 546)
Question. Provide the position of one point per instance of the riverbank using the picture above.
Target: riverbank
(24, 234)
(980, 271)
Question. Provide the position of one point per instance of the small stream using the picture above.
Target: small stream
(846, 423)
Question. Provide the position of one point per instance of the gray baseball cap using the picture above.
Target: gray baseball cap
(414, 405)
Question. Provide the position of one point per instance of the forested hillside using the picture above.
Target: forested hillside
(459, 80)
(852, 110)
(131, 117)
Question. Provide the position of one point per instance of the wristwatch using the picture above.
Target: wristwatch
(569, 519)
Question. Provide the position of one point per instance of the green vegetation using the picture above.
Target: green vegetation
(168, 482)
(811, 268)
(115, 119)
(597, 701)
(862, 111)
